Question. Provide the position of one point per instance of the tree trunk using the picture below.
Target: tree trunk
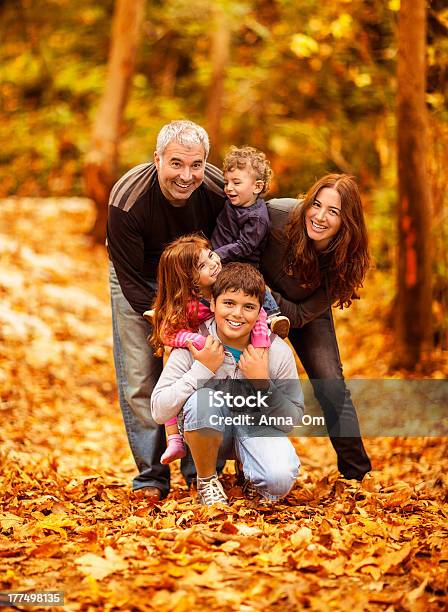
(220, 52)
(101, 162)
(413, 309)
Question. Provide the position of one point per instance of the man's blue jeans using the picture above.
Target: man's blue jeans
(137, 371)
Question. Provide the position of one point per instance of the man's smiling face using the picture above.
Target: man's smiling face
(180, 171)
(235, 315)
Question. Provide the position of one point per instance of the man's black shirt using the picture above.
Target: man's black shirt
(142, 222)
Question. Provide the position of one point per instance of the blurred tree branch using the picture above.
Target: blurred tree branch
(101, 161)
(219, 57)
(414, 300)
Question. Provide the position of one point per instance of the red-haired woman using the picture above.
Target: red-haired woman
(316, 257)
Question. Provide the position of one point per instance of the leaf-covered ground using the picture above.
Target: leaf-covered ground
(69, 522)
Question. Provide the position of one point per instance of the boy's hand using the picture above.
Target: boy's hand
(254, 364)
(212, 355)
(260, 350)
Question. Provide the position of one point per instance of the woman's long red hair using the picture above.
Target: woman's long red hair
(177, 279)
(348, 251)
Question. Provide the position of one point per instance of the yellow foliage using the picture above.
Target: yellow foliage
(69, 521)
(304, 46)
(342, 26)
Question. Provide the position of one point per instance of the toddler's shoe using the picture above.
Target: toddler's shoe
(175, 449)
(149, 315)
(279, 325)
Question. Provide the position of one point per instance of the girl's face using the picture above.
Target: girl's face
(209, 266)
(323, 218)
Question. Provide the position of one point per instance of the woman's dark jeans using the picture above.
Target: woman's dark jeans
(316, 345)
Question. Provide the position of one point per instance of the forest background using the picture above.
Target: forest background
(312, 85)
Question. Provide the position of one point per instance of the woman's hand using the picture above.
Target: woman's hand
(212, 355)
(254, 364)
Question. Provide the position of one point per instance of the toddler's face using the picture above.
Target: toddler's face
(242, 187)
(209, 266)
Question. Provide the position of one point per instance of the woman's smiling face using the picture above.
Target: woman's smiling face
(323, 218)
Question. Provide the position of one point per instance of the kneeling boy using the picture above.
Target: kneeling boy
(198, 382)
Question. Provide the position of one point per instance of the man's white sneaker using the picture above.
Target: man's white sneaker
(211, 492)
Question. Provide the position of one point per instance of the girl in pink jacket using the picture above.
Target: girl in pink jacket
(187, 270)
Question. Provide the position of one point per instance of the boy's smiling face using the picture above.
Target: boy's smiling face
(235, 315)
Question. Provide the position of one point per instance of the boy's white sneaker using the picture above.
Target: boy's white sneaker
(211, 492)
(250, 490)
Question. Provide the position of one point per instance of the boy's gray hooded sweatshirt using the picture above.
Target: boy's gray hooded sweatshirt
(183, 375)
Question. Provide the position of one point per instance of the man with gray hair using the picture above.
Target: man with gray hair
(151, 205)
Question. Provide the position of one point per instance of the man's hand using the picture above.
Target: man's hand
(254, 364)
(212, 355)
